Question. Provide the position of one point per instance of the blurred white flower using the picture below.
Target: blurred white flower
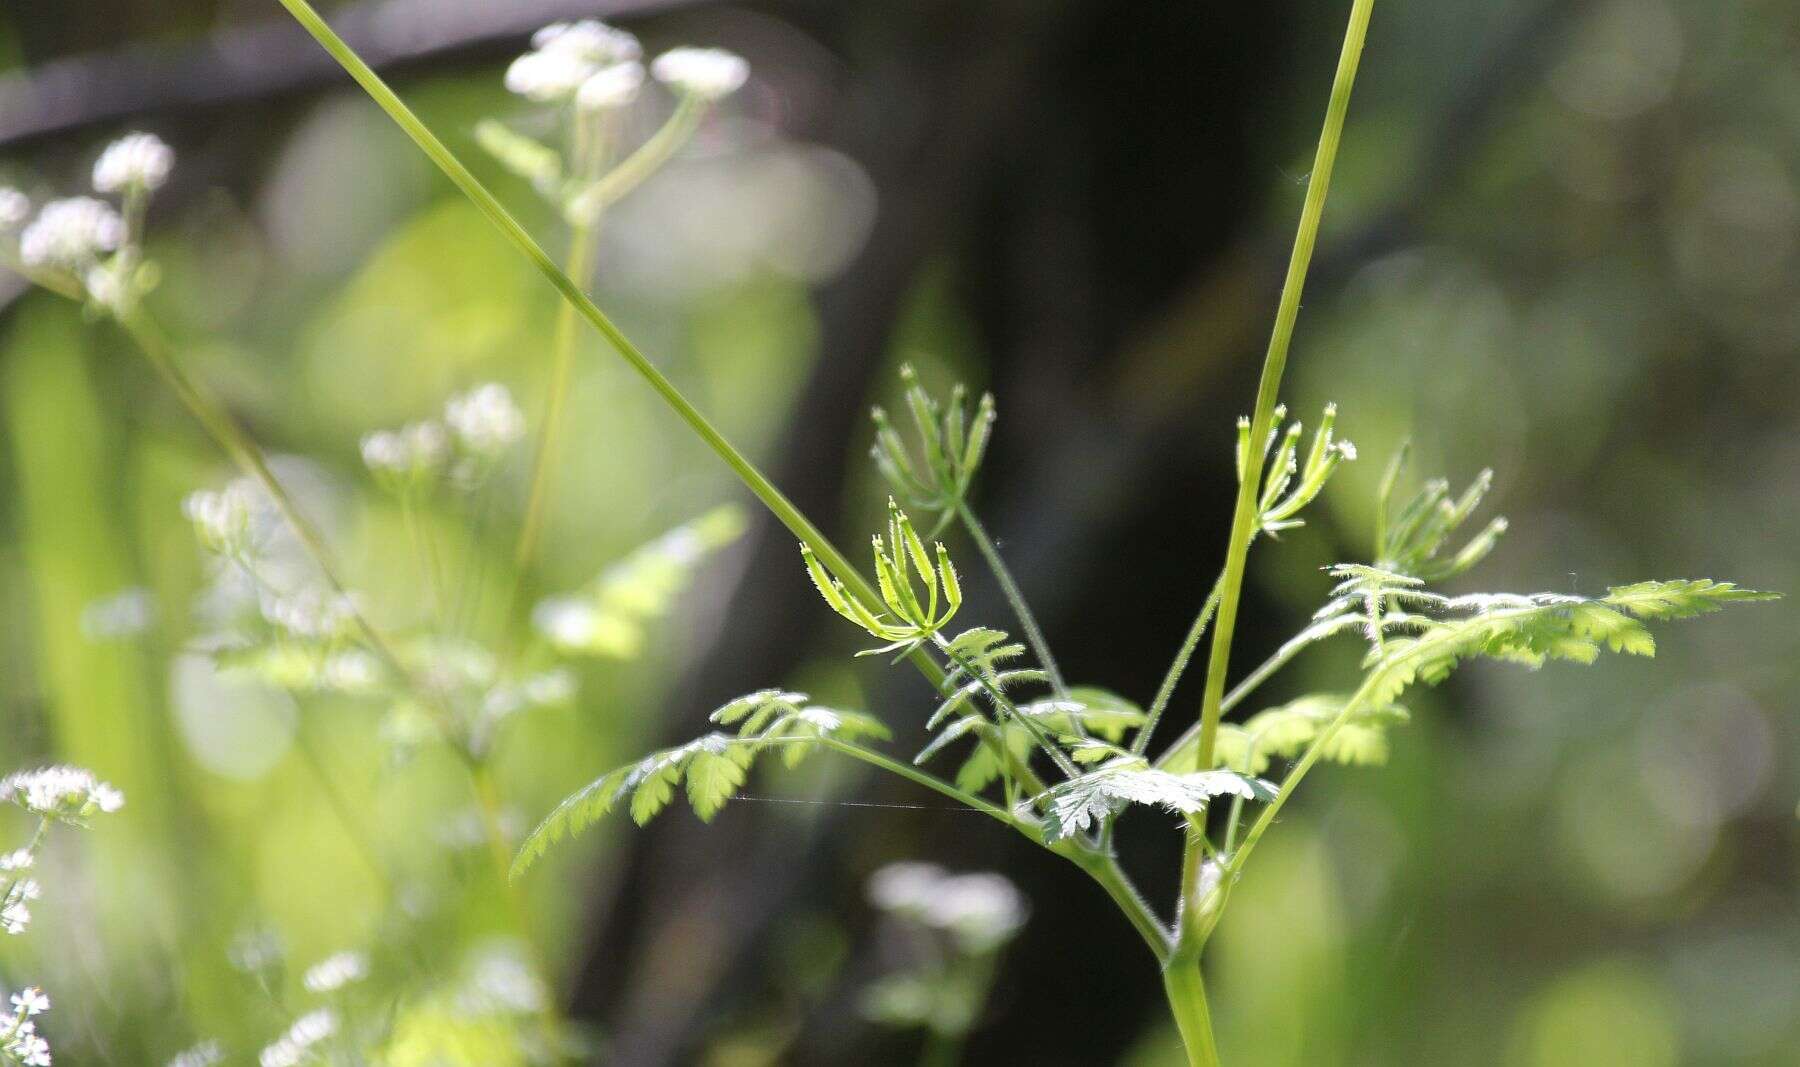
(223, 518)
(19, 1041)
(14, 918)
(15, 208)
(109, 286)
(564, 55)
(708, 73)
(413, 451)
(611, 87)
(292, 1048)
(310, 613)
(127, 612)
(485, 420)
(70, 233)
(30, 1001)
(134, 161)
(67, 793)
(205, 1054)
(335, 972)
(570, 622)
(981, 911)
(16, 860)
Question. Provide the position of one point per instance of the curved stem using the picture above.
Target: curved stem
(758, 483)
(1034, 635)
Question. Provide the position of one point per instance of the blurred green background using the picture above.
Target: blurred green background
(1563, 241)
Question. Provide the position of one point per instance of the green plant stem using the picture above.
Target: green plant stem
(941, 1049)
(1105, 870)
(1245, 518)
(931, 782)
(1034, 635)
(1240, 692)
(1005, 704)
(1141, 743)
(1186, 990)
(580, 263)
(490, 206)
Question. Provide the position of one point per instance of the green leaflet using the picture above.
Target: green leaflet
(1089, 801)
(1284, 732)
(712, 767)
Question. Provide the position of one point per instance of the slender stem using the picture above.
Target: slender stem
(650, 156)
(931, 782)
(1244, 518)
(580, 264)
(1141, 743)
(1267, 669)
(1297, 773)
(1005, 704)
(1034, 635)
(941, 1049)
(1105, 869)
(753, 478)
(1186, 991)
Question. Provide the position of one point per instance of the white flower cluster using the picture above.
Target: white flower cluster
(294, 1047)
(19, 1039)
(706, 73)
(15, 909)
(205, 1054)
(414, 451)
(136, 161)
(312, 613)
(980, 911)
(70, 234)
(565, 56)
(336, 971)
(67, 793)
(227, 520)
(485, 420)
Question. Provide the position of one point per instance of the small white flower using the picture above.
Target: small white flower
(134, 161)
(15, 208)
(413, 451)
(708, 73)
(30, 1001)
(351, 670)
(290, 1049)
(223, 519)
(570, 622)
(1346, 449)
(904, 886)
(982, 911)
(27, 889)
(14, 918)
(309, 613)
(205, 1054)
(70, 233)
(590, 39)
(17, 860)
(611, 87)
(335, 972)
(67, 793)
(564, 55)
(485, 420)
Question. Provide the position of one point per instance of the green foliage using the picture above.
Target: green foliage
(1284, 732)
(949, 450)
(1289, 485)
(897, 560)
(1093, 799)
(712, 767)
(607, 617)
(1409, 540)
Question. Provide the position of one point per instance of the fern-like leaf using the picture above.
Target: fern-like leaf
(1079, 804)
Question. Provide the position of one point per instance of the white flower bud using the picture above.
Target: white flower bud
(707, 73)
(485, 420)
(336, 972)
(565, 55)
(614, 86)
(71, 233)
(135, 161)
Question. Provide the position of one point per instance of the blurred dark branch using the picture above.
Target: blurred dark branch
(268, 59)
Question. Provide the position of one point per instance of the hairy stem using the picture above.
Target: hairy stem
(1186, 990)
(1034, 635)
(1240, 692)
(1141, 742)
